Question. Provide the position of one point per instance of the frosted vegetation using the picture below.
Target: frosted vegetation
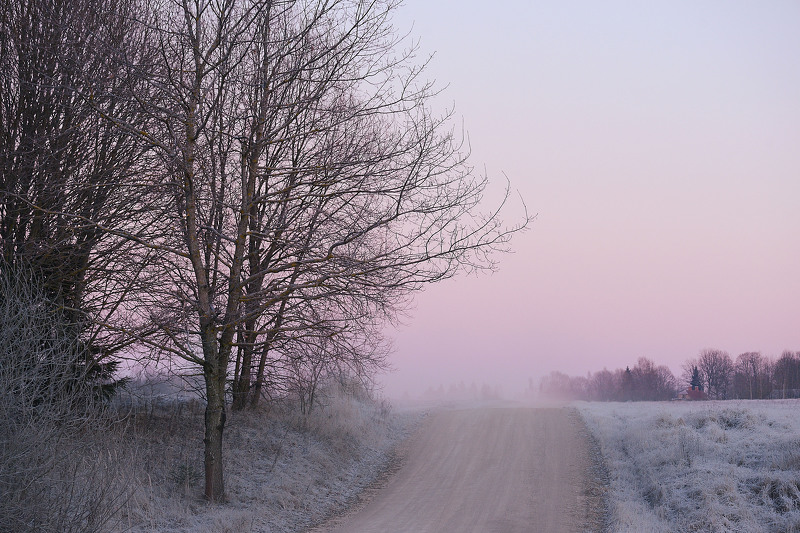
(288, 471)
(700, 466)
(138, 467)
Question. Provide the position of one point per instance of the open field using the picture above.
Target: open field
(700, 466)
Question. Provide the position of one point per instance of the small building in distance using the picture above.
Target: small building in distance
(692, 393)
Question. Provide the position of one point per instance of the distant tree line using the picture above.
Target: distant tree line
(750, 376)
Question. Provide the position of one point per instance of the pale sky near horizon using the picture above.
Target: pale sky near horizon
(659, 145)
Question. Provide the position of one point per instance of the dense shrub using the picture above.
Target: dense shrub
(58, 467)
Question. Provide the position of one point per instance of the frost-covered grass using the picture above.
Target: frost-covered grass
(284, 472)
(700, 466)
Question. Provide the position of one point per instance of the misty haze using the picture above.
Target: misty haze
(359, 266)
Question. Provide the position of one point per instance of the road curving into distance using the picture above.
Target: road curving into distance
(488, 470)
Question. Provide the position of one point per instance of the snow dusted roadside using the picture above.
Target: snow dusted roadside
(285, 473)
(730, 466)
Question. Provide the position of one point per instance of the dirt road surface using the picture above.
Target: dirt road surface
(488, 470)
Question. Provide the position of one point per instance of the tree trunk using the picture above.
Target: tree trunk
(214, 375)
(241, 386)
(255, 394)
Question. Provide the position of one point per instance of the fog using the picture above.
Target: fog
(657, 146)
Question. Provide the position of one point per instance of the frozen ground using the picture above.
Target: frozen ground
(700, 466)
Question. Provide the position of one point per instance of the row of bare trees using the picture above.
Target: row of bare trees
(751, 376)
(645, 381)
(253, 187)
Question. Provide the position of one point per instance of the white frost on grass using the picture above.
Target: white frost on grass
(731, 466)
(284, 472)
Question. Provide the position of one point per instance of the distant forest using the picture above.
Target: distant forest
(750, 376)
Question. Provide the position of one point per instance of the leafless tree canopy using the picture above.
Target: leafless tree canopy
(65, 186)
(752, 376)
(252, 186)
(716, 371)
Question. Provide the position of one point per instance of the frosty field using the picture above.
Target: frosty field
(700, 466)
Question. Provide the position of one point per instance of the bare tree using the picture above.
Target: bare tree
(644, 382)
(300, 164)
(786, 373)
(558, 385)
(716, 370)
(651, 382)
(752, 376)
(668, 383)
(329, 348)
(604, 386)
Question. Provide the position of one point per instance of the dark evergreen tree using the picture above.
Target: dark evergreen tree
(696, 381)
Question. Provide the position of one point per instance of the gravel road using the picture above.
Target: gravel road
(488, 470)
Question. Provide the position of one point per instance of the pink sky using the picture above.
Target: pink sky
(660, 148)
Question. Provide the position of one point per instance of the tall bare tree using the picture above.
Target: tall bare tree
(302, 168)
(716, 371)
(752, 376)
(604, 386)
(653, 382)
(786, 373)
